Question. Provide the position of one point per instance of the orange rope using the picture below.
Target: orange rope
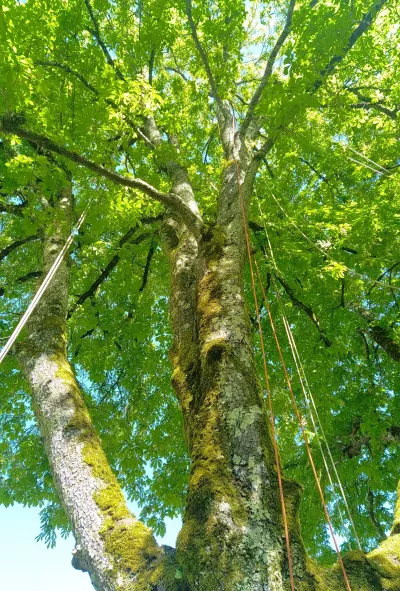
(272, 418)
(321, 494)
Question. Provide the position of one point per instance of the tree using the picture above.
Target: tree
(175, 122)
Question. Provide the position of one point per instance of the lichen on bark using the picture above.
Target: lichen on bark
(117, 550)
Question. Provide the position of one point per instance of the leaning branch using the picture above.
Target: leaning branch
(268, 69)
(306, 308)
(105, 273)
(89, 86)
(363, 25)
(97, 36)
(192, 219)
(146, 269)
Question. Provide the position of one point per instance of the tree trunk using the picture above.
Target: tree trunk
(232, 538)
(117, 550)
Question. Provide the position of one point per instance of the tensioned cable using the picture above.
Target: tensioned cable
(309, 397)
(304, 434)
(326, 255)
(272, 417)
(383, 169)
(366, 165)
(44, 285)
(307, 392)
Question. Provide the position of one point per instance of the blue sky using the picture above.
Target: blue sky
(27, 565)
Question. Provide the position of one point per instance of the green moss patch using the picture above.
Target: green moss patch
(386, 561)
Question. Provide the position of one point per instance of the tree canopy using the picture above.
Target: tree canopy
(77, 80)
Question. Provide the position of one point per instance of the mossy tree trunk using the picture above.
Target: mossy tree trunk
(117, 550)
(232, 538)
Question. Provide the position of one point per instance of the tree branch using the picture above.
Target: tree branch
(379, 334)
(371, 513)
(12, 208)
(105, 273)
(319, 175)
(204, 58)
(97, 36)
(387, 271)
(359, 440)
(363, 25)
(383, 338)
(191, 218)
(29, 276)
(368, 105)
(268, 69)
(306, 308)
(8, 249)
(89, 86)
(146, 271)
(151, 65)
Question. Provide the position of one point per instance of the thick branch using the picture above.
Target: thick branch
(192, 219)
(379, 334)
(383, 338)
(11, 208)
(268, 69)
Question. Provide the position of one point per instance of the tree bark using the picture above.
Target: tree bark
(232, 536)
(117, 550)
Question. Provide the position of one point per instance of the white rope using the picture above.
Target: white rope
(309, 400)
(366, 166)
(307, 390)
(383, 170)
(44, 285)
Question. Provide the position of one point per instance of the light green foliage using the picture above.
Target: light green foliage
(120, 337)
